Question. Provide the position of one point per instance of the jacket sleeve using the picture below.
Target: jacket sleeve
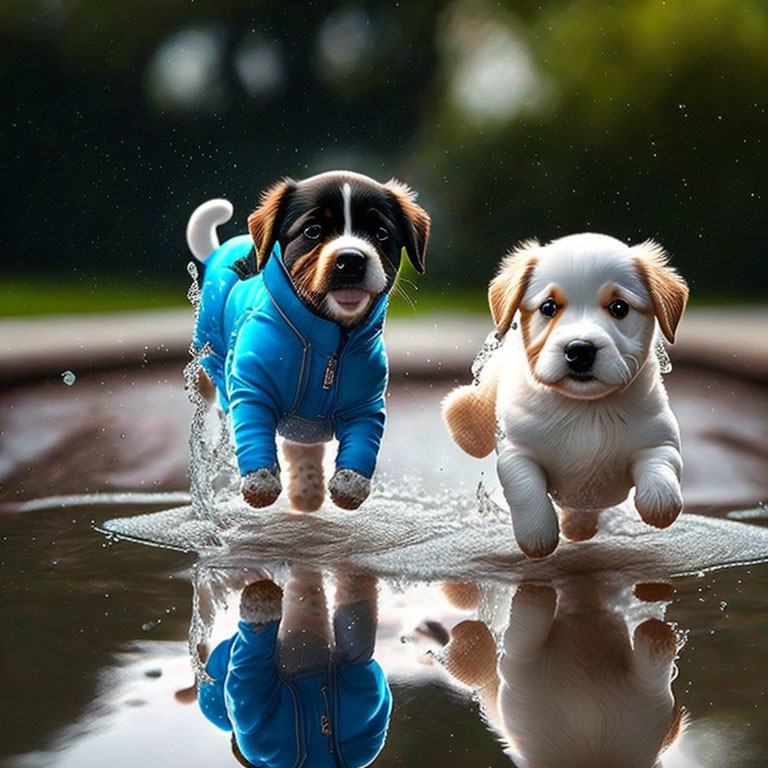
(253, 687)
(210, 695)
(359, 431)
(254, 397)
(364, 710)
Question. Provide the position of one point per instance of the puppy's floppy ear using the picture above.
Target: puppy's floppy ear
(413, 220)
(507, 289)
(669, 292)
(264, 222)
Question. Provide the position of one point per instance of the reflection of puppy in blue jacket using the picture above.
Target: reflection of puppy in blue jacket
(292, 692)
(292, 317)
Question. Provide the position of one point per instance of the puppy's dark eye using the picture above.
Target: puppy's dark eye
(619, 308)
(549, 308)
(382, 234)
(313, 231)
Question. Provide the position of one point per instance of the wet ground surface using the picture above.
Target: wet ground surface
(94, 647)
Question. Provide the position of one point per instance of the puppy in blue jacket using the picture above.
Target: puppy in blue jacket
(294, 690)
(291, 320)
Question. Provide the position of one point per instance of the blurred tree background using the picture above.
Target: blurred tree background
(637, 118)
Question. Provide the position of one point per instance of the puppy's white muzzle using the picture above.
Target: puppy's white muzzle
(582, 361)
(349, 303)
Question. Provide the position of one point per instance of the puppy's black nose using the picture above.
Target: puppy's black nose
(350, 264)
(580, 355)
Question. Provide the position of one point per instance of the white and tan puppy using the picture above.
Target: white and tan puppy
(576, 387)
(582, 677)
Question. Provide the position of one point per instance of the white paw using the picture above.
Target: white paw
(260, 488)
(349, 489)
(538, 545)
(658, 497)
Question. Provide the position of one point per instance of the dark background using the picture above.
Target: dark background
(513, 120)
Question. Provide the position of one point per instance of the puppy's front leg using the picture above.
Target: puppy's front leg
(254, 427)
(530, 621)
(525, 489)
(655, 650)
(656, 473)
(359, 435)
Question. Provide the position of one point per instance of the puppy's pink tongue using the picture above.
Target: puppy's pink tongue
(350, 296)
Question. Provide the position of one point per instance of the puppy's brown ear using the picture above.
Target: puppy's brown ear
(413, 220)
(669, 292)
(507, 289)
(264, 222)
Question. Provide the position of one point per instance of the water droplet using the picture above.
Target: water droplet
(150, 625)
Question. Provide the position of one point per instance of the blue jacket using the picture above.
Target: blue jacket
(333, 719)
(281, 368)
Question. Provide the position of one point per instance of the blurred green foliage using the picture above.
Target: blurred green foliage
(638, 118)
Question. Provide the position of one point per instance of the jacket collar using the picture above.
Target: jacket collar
(310, 327)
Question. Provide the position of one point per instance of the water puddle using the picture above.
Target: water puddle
(654, 640)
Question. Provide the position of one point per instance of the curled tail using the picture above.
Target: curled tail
(201, 228)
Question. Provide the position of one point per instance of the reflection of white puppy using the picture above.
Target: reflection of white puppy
(576, 388)
(574, 687)
(575, 692)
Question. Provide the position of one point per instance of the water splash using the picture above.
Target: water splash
(660, 348)
(193, 292)
(490, 345)
(212, 468)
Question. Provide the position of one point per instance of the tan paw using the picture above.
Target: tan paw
(261, 602)
(657, 638)
(659, 500)
(260, 488)
(538, 548)
(349, 489)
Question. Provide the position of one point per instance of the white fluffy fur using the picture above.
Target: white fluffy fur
(585, 443)
(201, 228)
(575, 691)
(583, 679)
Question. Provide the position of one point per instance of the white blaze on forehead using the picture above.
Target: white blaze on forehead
(346, 194)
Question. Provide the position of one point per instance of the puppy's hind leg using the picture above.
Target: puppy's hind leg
(205, 386)
(306, 487)
(578, 525)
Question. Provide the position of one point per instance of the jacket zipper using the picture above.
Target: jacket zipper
(330, 372)
(325, 724)
(329, 377)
